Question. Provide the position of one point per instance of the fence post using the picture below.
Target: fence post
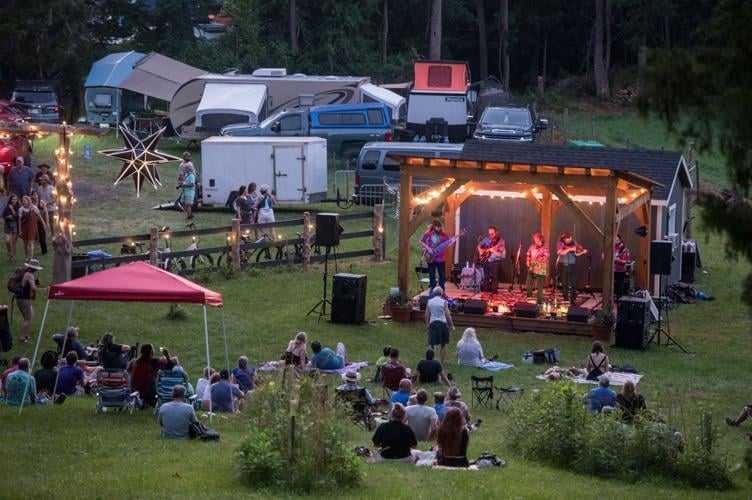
(307, 226)
(153, 244)
(236, 244)
(378, 232)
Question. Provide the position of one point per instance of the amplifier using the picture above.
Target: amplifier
(633, 323)
(475, 306)
(525, 310)
(423, 302)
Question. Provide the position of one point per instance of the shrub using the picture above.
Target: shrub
(303, 454)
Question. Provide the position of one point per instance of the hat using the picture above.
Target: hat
(33, 264)
(604, 380)
(264, 188)
(351, 376)
(454, 393)
(186, 154)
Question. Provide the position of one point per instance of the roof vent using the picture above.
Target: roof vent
(270, 72)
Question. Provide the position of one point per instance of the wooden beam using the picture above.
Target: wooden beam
(555, 206)
(546, 217)
(431, 206)
(403, 258)
(609, 234)
(626, 210)
(643, 272)
(578, 212)
(450, 228)
(535, 201)
(539, 178)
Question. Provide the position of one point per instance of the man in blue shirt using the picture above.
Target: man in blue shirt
(601, 397)
(19, 179)
(225, 397)
(326, 359)
(491, 250)
(176, 416)
(70, 379)
(245, 374)
(20, 386)
(403, 395)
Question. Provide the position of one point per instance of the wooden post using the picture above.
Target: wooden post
(62, 239)
(546, 216)
(153, 244)
(609, 233)
(403, 260)
(643, 277)
(450, 228)
(690, 195)
(307, 226)
(378, 232)
(236, 244)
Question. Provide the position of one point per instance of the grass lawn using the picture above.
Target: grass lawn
(69, 451)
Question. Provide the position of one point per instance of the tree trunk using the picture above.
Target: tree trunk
(544, 73)
(482, 40)
(505, 43)
(600, 71)
(434, 45)
(607, 53)
(293, 25)
(385, 32)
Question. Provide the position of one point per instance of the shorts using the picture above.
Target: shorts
(187, 200)
(265, 215)
(438, 333)
(11, 227)
(24, 305)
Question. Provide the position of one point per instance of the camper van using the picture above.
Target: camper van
(437, 108)
(105, 102)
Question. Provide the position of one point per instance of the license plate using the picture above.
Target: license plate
(35, 111)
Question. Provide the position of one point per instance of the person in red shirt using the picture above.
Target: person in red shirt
(144, 371)
(13, 367)
(431, 239)
(537, 266)
(621, 258)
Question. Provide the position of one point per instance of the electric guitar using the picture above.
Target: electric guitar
(430, 253)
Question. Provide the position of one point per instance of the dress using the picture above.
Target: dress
(28, 227)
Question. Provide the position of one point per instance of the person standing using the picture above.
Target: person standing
(20, 178)
(537, 264)
(44, 170)
(430, 240)
(567, 251)
(621, 258)
(491, 250)
(47, 194)
(189, 190)
(28, 216)
(10, 216)
(265, 205)
(438, 320)
(243, 207)
(25, 295)
(43, 222)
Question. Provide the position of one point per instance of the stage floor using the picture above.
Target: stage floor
(500, 310)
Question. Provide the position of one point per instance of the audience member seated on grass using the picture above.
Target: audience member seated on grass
(69, 341)
(429, 370)
(225, 397)
(13, 367)
(402, 396)
(325, 359)
(453, 401)
(351, 379)
(203, 382)
(245, 374)
(296, 353)
(175, 417)
(394, 438)
(469, 350)
(206, 395)
(601, 399)
(20, 386)
(393, 371)
(111, 354)
(70, 381)
(384, 359)
(144, 372)
(438, 405)
(597, 362)
(452, 440)
(630, 402)
(422, 419)
(46, 376)
(743, 415)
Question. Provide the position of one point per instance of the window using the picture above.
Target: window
(440, 76)
(292, 122)
(215, 121)
(103, 100)
(672, 234)
(375, 117)
(370, 160)
(342, 119)
(392, 165)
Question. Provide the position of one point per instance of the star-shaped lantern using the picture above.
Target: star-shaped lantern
(140, 158)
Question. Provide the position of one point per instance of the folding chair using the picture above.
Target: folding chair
(482, 391)
(422, 273)
(166, 380)
(113, 391)
(508, 396)
(362, 413)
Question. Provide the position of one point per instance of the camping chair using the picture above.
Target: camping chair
(508, 396)
(391, 377)
(422, 273)
(482, 391)
(166, 381)
(362, 413)
(113, 391)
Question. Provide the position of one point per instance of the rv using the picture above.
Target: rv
(105, 102)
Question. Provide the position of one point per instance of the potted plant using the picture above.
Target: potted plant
(603, 326)
(399, 307)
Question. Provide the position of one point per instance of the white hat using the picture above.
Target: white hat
(33, 264)
(604, 380)
(351, 376)
(264, 188)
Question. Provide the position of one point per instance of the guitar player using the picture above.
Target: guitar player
(491, 250)
(431, 239)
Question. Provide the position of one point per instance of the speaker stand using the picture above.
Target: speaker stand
(320, 306)
(659, 330)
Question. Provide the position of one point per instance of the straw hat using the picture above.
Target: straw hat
(351, 376)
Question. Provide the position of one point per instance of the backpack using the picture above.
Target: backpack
(202, 432)
(15, 281)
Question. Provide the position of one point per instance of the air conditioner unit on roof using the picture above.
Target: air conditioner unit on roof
(270, 72)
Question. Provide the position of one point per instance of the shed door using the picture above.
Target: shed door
(288, 173)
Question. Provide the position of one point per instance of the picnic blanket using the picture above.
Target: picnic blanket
(495, 366)
(271, 366)
(615, 378)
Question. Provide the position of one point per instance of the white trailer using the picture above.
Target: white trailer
(294, 167)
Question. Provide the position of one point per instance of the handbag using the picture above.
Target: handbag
(202, 432)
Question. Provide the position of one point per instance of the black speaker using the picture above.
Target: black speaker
(349, 298)
(423, 302)
(633, 323)
(475, 306)
(578, 314)
(525, 310)
(661, 255)
(327, 230)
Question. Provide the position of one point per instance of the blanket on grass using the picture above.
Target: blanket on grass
(615, 378)
(271, 366)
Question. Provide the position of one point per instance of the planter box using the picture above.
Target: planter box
(401, 314)
(602, 332)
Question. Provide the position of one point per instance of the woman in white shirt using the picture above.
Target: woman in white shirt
(469, 350)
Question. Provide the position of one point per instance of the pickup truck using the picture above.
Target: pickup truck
(346, 127)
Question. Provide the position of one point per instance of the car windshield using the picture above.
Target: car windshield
(510, 117)
(34, 97)
(271, 119)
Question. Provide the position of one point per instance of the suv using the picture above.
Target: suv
(39, 99)
(509, 123)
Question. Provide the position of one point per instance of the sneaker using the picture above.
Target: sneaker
(730, 421)
(494, 357)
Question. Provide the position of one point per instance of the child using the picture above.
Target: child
(438, 404)
(381, 362)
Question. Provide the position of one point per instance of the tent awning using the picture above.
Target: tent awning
(159, 76)
(378, 94)
(232, 98)
(135, 282)
(111, 70)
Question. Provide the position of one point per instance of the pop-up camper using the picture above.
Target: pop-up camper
(104, 100)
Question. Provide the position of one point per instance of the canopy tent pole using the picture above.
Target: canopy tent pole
(36, 351)
(224, 336)
(70, 313)
(208, 359)
(61, 356)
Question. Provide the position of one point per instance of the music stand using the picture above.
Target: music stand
(659, 330)
(321, 304)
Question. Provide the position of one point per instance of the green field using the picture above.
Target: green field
(69, 451)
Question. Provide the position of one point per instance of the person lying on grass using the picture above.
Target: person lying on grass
(326, 359)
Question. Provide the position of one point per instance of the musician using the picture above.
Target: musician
(431, 239)
(491, 250)
(537, 264)
(568, 250)
(621, 259)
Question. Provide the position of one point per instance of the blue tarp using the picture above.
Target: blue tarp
(111, 70)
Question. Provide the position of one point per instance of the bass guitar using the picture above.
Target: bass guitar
(430, 253)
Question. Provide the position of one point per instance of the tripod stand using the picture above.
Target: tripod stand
(320, 306)
(659, 330)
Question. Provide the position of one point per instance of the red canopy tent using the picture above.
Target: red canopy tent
(135, 282)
